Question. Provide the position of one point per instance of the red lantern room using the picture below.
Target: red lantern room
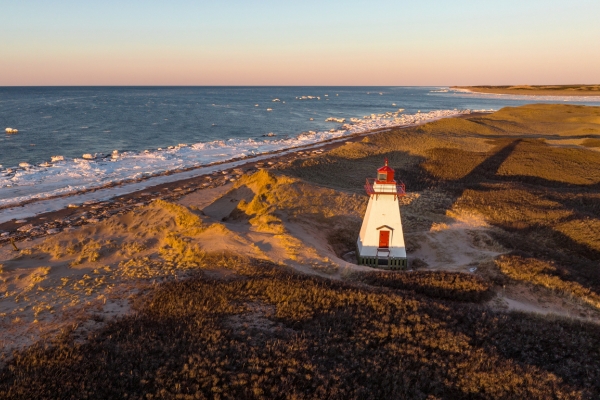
(385, 174)
(385, 183)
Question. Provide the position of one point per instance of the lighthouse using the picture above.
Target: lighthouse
(381, 240)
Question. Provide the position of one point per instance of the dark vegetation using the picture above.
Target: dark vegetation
(268, 333)
(434, 284)
(343, 239)
(591, 143)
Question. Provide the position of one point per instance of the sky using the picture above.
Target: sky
(309, 42)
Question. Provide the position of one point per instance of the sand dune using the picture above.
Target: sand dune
(90, 272)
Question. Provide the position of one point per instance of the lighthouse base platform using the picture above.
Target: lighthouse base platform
(382, 260)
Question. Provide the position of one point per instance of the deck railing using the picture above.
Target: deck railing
(397, 189)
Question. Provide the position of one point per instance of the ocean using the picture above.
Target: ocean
(134, 132)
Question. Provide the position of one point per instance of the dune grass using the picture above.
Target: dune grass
(434, 284)
(545, 119)
(268, 333)
(277, 196)
(591, 143)
(545, 274)
(545, 200)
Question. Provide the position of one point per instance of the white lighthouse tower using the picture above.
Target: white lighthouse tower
(381, 240)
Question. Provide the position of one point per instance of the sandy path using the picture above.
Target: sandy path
(460, 245)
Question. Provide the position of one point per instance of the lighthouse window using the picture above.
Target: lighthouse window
(382, 176)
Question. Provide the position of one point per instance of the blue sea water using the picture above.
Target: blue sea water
(71, 121)
(158, 129)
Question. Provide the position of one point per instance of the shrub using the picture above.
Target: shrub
(437, 284)
(269, 333)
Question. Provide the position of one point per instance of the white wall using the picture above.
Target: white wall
(382, 210)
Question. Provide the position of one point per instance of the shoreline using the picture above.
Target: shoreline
(527, 92)
(232, 161)
(47, 188)
(30, 224)
(216, 175)
(160, 177)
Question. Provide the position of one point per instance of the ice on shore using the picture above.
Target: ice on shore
(74, 175)
(333, 119)
(308, 98)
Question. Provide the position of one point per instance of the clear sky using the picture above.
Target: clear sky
(308, 42)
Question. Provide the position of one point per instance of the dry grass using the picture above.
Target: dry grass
(280, 193)
(438, 284)
(74, 270)
(169, 225)
(545, 200)
(545, 274)
(184, 218)
(276, 197)
(591, 143)
(316, 339)
(546, 119)
(267, 223)
(451, 164)
(177, 249)
(534, 161)
(450, 149)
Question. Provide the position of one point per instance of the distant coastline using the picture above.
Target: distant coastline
(536, 90)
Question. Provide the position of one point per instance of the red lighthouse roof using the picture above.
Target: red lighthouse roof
(385, 174)
(383, 183)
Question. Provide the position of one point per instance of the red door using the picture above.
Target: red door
(384, 239)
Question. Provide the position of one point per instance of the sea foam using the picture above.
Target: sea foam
(69, 176)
